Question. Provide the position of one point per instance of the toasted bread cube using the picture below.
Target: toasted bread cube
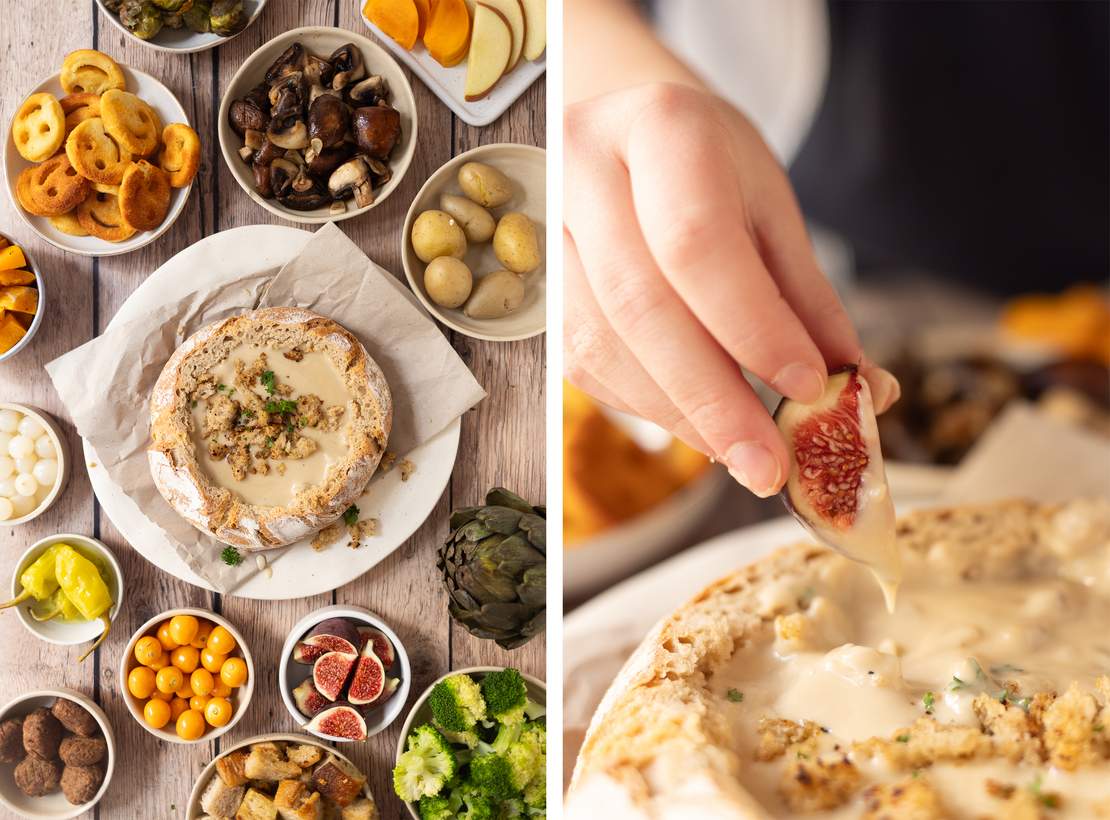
(256, 806)
(220, 799)
(338, 781)
(266, 761)
(295, 801)
(303, 754)
(361, 809)
(231, 768)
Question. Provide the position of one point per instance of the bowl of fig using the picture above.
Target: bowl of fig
(319, 124)
(344, 674)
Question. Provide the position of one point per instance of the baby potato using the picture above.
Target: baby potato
(435, 233)
(485, 185)
(475, 220)
(516, 244)
(448, 281)
(495, 295)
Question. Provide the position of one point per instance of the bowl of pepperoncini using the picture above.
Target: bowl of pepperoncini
(67, 589)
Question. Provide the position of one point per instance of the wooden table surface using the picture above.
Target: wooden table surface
(502, 439)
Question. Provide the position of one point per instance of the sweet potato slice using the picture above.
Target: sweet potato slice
(424, 12)
(398, 19)
(448, 36)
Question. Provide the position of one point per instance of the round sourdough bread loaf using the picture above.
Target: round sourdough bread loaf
(286, 335)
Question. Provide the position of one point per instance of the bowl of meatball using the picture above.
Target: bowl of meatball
(57, 753)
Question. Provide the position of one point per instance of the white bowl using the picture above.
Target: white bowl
(421, 713)
(194, 811)
(526, 166)
(240, 699)
(183, 40)
(54, 432)
(322, 41)
(37, 320)
(166, 105)
(68, 633)
(291, 673)
(53, 806)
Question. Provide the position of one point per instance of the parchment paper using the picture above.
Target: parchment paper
(105, 384)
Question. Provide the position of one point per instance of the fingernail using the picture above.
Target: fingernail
(799, 381)
(885, 390)
(752, 465)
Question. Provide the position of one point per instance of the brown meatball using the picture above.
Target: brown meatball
(42, 733)
(11, 740)
(81, 783)
(75, 717)
(35, 776)
(82, 751)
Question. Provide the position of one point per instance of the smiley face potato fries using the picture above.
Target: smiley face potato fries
(106, 165)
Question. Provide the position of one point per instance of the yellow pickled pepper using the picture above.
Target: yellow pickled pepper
(80, 580)
(39, 580)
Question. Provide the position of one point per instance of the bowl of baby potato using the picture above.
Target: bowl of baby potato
(100, 157)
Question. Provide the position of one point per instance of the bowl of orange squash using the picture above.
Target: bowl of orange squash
(21, 298)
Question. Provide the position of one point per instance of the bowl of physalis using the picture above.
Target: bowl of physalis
(187, 675)
(67, 589)
(475, 745)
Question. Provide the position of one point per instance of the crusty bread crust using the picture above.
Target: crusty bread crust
(217, 510)
(658, 746)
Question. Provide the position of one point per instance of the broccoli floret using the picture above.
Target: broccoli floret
(435, 808)
(456, 703)
(469, 739)
(506, 696)
(527, 758)
(535, 793)
(507, 735)
(426, 767)
(469, 803)
(493, 777)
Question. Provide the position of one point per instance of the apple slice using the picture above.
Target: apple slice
(535, 28)
(513, 13)
(491, 47)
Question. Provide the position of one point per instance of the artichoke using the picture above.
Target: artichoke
(494, 566)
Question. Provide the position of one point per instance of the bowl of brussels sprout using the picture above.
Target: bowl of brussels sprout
(181, 26)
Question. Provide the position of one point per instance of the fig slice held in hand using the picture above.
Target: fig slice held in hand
(837, 487)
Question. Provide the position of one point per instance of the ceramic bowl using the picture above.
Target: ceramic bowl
(53, 806)
(69, 633)
(421, 712)
(525, 166)
(291, 673)
(183, 40)
(168, 108)
(54, 432)
(322, 41)
(194, 811)
(240, 699)
(39, 311)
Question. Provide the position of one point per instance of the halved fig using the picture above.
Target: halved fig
(368, 679)
(330, 635)
(308, 698)
(341, 721)
(391, 686)
(382, 646)
(837, 486)
(330, 673)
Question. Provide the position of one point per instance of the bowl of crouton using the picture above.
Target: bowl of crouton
(285, 775)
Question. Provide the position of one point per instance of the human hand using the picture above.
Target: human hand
(687, 258)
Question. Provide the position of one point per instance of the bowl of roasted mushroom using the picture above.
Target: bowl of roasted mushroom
(318, 125)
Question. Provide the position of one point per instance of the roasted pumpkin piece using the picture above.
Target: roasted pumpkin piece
(19, 298)
(424, 12)
(12, 257)
(399, 19)
(16, 277)
(448, 35)
(10, 332)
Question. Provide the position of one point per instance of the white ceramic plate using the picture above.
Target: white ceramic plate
(194, 811)
(526, 167)
(449, 83)
(297, 570)
(166, 105)
(183, 40)
(321, 41)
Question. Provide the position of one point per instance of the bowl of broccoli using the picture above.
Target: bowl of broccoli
(475, 746)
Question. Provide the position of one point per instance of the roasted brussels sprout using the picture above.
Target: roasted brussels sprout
(113, 5)
(141, 17)
(174, 20)
(172, 6)
(227, 17)
(196, 18)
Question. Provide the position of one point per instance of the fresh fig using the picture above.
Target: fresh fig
(382, 646)
(308, 698)
(368, 679)
(330, 673)
(330, 635)
(837, 486)
(391, 686)
(341, 721)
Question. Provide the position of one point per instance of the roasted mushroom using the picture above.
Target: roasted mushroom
(294, 188)
(267, 153)
(352, 177)
(322, 163)
(317, 71)
(377, 129)
(347, 63)
(368, 91)
(328, 120)
(245, 115)
(262, 180)
(287, 62)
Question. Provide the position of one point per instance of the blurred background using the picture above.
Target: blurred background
(952, 162)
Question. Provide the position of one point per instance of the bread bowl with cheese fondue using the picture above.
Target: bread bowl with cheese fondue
(787, 689)
(267, 426)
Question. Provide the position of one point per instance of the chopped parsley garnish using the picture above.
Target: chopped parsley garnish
(289, 429)
(193, 403)
(1050, 800)
(281, 406)
(957, 684)
(803, 756)
(1098, 727)
(350, 516)
(903, 738)
(244, 417)
(1005, 669)
(270, 441)
(269, 381)
(221, 388)
(735, 695)
(1004, 697)
(231, 556)
(930, 701)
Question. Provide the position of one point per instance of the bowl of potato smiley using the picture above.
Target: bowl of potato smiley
(473, 243)
(100, 158)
